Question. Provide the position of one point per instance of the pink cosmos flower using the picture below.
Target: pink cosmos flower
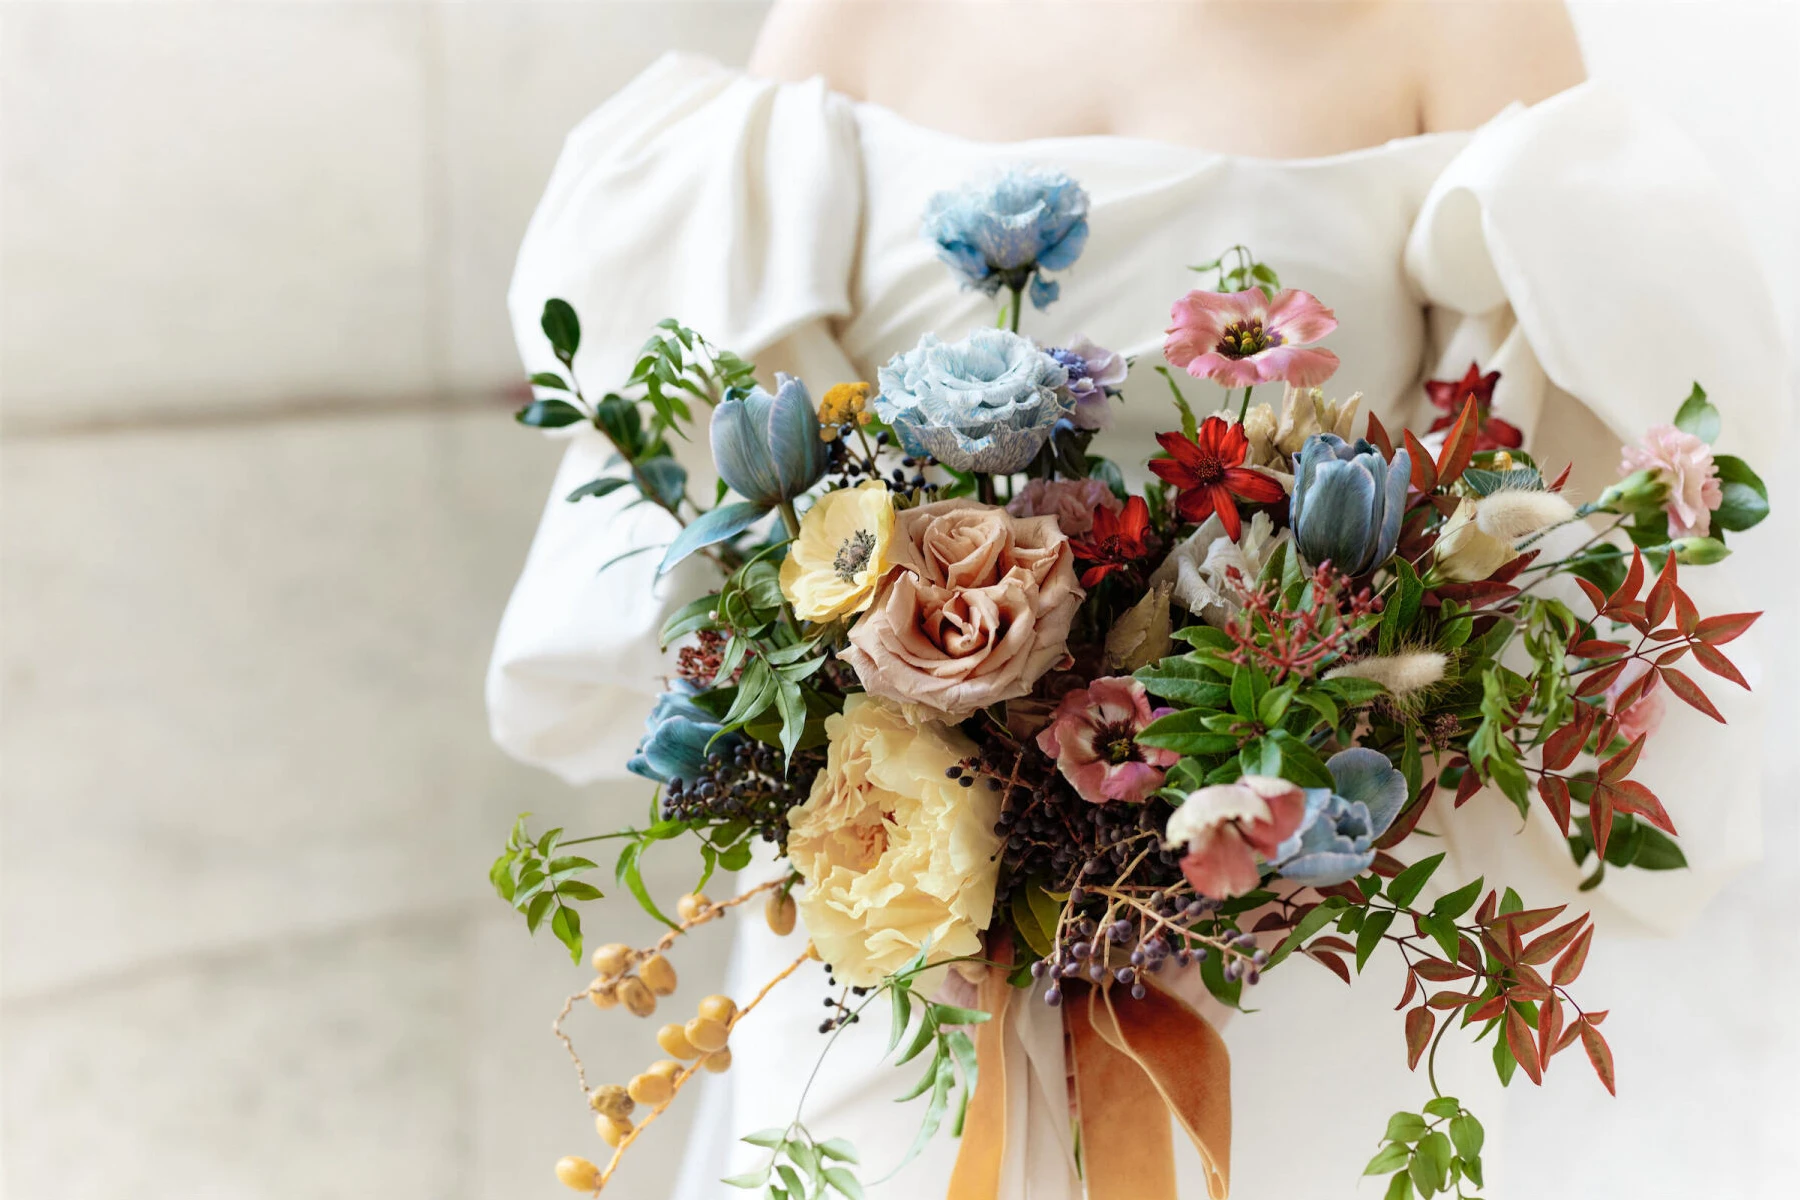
(1226, 826)
(1686, 465)
(1073, 502)
(1093, 737)
(1238, 339)
(1646, 715)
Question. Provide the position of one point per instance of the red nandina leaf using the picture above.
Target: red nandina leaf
(1555, 792)
(1408, 819)
(1459, 444)
(1485, 913)
(1543, 949)
(1595, 596)
(1633, 797)
(1348, 891)
(1436, 970)
(1556, 485)
(1716, 631)
(1672, 656)
(1599, 679)
(1690, 692)
(1331, 942)
(1412, 989)
(1386, 865)
(1478, 593)
(1598, 1052)
(1518, 1040)
(1488, 1010)
(1634, 691)
(1662, 594)
(1594, 1018)
(1270, 922)
(1621, 764)
(1632, 613)
(1568, 1038)
(1424, 473)
(1334, 962)
(1448, 999)
(1378, 436)
(1600, 815)
(1561, 747)
(1719, 665)
(1468, 953)
(1549, 1026)
(1509, 571)
(1609, 729)
(1531, 985)
(1419, 1024)
(1467, 786)
(1634, 579)
(1686, 615)
(1574, 958)
(1596, 648)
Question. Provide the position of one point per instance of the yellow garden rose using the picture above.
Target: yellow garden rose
(894, 853)
(833, 566)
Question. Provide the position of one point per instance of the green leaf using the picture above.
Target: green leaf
(548, 414)
(839, 1149)
(562, 327)
(1405, 1127)
(692, 616)
(606, 485)
(566, 925)
(768, 1138)
(1454, 904)
(1399, 1188)
(1369, 936)
(1656, 851)
(844, 1182)
(1183, 732)
(665, 481)
(1402, 610)
(1504, 1062)
(1442, 1106)
(1407, 885)
(1466, 1133)
(900, 999)
(534, 912)
(1190, 428)
(790, 1178)
(1310, 924)
(576, 889)
(549, 379)
(1431, 1163)
(1698, 416)
(1746, 497)
(1391, 1157)
(718, 525)
(749, 1179)
(1442, 930)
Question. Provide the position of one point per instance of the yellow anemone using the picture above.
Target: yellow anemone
(833, 566)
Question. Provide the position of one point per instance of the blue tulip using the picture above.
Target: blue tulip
(1336, 839)
(676, 737)
(767, 448)
(1347, 503)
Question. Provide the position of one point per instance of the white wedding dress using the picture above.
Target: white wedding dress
(1579, 248)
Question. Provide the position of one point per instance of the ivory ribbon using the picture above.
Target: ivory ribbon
(1135, 1064)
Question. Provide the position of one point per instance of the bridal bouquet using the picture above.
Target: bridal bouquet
(1085, 732)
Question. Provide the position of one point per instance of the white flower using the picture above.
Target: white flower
(1200, 568)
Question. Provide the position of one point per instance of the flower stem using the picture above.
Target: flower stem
(1018, 302)
(790, 518)
(1245, 406)
(984, 487)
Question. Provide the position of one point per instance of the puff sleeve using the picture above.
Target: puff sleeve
(1587, 252)
(700, 193)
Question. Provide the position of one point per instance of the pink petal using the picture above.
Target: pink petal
(1222, 866)
(1088, 779)
(1298, 366)
(1199, 318)
(1226, 372)
(1133, 781)
(1298, 317)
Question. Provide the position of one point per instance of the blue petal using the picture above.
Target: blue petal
(1063, 254)
(739, 449)
(1044, 291)
(1336, 520)
(1399, 472)
(1327, 867)
(797, 450)
(1366, 776)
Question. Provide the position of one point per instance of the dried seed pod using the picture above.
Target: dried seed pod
(673, 1039)
(603, 994)
(694, 907)
(611, 960)
(577, 1173)
(706, 1035)
(638, 1000)
(651, 1090)
(658, 973)
(668, 1068)
(612, 1131)
(612, 1100)
(780, 913)
(719, 1061)
(718, 1008)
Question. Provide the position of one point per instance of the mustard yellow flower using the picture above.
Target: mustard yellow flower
(833, 566)
(843, 404)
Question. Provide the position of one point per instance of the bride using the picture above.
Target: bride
(1378, 155)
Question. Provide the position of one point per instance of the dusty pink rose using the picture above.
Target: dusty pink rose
(1686, 465)
(1226, 826)
(1093, 738)
(975, 607)
(1238, 339)
(1645, 716)
(1072, 502)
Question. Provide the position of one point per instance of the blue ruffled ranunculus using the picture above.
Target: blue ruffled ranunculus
(767, 448)
(676, 737)
(1336, 838)
(986, 403)
(1008, 232)
(1347, 503)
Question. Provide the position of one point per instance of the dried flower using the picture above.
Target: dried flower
(1465, 551)
(985, 403)
(1141, 636)
(1400, 674)
(1201, 568)
(1514, 513)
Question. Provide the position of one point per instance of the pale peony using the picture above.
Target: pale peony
(1072, 502)
(833, 566)
(1646, 715)
(1225, 828)
(1141, 636)
(1685, 462)
(1466, 552)
(896, 856)
(1304, 411)
(975, 607)
(1200, 568)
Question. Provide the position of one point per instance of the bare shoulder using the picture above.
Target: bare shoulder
(1478, 56)
(803, 38)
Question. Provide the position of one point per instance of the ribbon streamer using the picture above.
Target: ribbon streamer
(1135, 1063)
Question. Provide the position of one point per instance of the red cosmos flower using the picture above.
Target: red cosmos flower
(1117, 542)
(1491, 433)
(1211, 475)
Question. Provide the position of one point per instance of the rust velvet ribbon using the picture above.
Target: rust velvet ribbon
(1136, 1063)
